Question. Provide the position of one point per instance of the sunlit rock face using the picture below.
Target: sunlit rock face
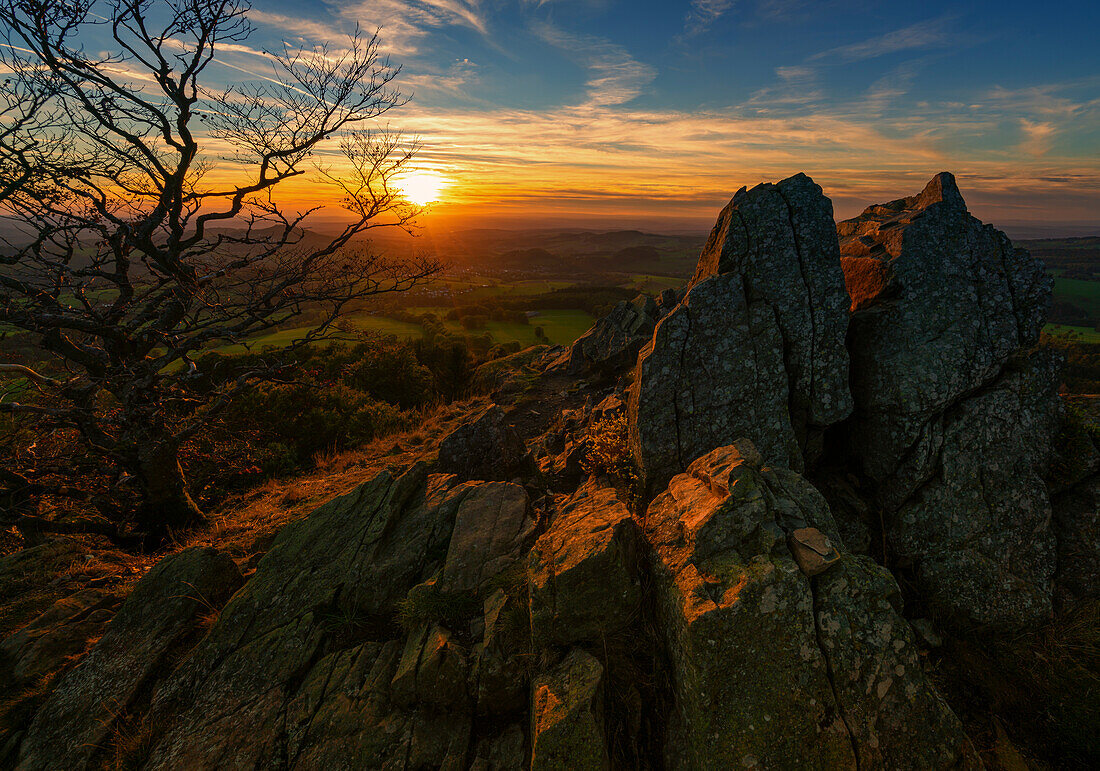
(756, 348)
(953, 413)
(772, 667)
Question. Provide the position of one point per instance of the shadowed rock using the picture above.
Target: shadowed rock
(954, 418)
(483, 447)
(492, 528)
(611, 346)
(76, 721)
(1077, 523)
(62, 632)
(567, 716)
(756, 348)
(583, 570)
(342, 569)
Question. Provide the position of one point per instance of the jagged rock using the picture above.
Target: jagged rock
(953, 418)
(771, 667)
(339, 572)
(163, 609)
(669, 299)
(509, 374)
(341, 716)
(483, 447)
(583, 570)
(610, 406)
(611, 346)
(567, 732)
(1076, 523)
(492, 528)
(954, 301)
(756, 348)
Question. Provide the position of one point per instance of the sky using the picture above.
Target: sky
(644, 113)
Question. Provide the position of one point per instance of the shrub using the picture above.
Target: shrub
(606, 446)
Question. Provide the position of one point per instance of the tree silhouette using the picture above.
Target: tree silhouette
(143, 225)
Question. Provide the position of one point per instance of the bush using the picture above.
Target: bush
(607, 450)
(297, 422)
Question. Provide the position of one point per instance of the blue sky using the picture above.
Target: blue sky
(661, 110)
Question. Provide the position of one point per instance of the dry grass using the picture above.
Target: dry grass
(243, 527)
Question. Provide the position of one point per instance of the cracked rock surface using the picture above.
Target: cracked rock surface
(772, 668)
(756, 348)
(953, 414)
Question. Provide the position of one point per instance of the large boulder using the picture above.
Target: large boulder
(954, 416)
(771, 667)
(583, 570)
(165, 607)
(756, 347)
(485, 446)
(940, 304)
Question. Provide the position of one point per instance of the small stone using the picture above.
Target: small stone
(812, 550)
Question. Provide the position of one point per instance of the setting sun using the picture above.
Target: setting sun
(422, 187)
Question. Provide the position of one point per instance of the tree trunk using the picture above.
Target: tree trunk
(168, 506)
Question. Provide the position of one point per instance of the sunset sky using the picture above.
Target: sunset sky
(628, 112)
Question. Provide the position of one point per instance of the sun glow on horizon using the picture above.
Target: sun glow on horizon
(423, 187)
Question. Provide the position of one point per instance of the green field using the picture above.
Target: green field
(1084, 334)
(1084, 294)
(561, 327)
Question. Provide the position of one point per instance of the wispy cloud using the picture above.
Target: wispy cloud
(1037, 137)
(933, 33)
(309, 30)
(796, 74)
(406, 23)
(615, 77)
(703, 13)
(890, 87)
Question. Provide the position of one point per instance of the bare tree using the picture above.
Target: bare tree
(136, 250)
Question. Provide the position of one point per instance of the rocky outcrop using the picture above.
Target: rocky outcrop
(78, 718)
(61, 633)
(492, 528)
(510, 615)
(307, 666)
(771, 667)
(309, 617)
(953, 415)
(611, 346)
(484, 447)
(396, 627)
(756, 347)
